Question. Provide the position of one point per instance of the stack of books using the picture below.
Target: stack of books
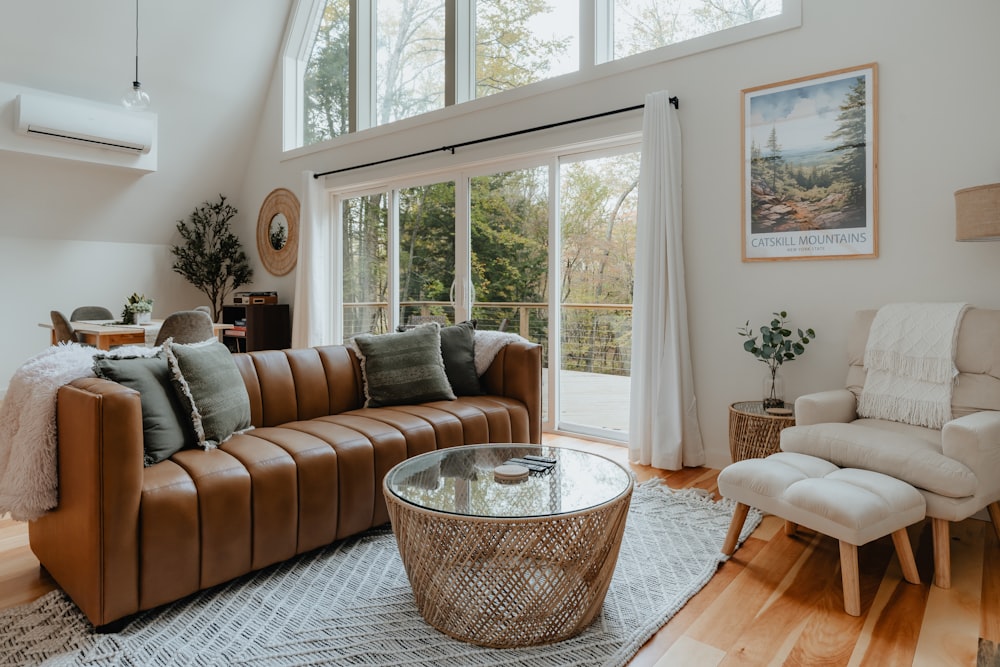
(239, 328)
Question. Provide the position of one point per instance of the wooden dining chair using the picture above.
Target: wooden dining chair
(91, 313)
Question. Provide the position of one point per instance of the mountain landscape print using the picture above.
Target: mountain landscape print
(809, 155)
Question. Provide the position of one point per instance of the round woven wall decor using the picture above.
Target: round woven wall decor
(279, 213)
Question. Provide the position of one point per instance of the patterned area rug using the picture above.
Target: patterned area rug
(351, 604)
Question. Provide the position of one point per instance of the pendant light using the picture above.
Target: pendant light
(136, 99)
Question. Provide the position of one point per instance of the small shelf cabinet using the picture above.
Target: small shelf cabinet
(268, 327)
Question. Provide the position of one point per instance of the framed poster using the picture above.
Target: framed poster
(810, 167)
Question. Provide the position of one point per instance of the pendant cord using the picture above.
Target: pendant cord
(136, 80)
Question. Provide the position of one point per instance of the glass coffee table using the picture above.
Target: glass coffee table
(508, 563)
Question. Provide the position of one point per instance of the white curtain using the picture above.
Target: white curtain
(663, 428)
(312, 319)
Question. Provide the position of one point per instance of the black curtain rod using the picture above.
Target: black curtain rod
(673, 100)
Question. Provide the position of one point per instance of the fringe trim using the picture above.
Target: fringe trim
(928, 369)
(931, 414)
(180, 382)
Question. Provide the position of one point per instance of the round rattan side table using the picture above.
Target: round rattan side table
(754, 433)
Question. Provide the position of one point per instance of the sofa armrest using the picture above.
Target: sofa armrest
(516, 372)
(974, 440)
(89, 542)
(837, 405)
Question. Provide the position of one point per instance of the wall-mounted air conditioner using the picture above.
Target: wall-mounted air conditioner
(84, 122)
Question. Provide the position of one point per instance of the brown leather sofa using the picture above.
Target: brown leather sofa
(125, 538)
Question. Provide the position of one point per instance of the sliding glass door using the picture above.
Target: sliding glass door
(365, 251)
(545, 250)
(597, 213)
(426, 254)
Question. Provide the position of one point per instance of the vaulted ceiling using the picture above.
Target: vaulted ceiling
(207, 67)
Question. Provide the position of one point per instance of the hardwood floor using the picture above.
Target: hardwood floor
(778, 600)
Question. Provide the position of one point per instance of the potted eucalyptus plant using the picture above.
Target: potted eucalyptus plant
(776, 346)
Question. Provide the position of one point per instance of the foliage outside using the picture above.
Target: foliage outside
(509, 259)
(509, 210)
(211, 257)
(517, 42)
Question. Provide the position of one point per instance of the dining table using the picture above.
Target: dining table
(105, 334)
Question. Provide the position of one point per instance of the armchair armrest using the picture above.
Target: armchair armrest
(836, 405)
(974, 440)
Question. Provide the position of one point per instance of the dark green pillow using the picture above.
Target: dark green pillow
(164, 428)
(403, 368)
(459, 354)
(210, 386)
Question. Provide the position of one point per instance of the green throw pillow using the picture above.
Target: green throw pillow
(459, 353)
(164, 429)
(211, 388)
(403, 368)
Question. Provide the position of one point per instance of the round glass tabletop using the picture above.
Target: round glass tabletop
(460, 480)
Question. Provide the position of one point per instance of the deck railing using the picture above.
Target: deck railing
(596, 338)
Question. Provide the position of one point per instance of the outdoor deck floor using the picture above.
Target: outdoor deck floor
(596, 400)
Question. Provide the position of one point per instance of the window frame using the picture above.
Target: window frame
(595, 49)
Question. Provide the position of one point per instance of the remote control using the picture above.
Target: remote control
(533, 466)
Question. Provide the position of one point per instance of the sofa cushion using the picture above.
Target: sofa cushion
(211, 388)
(914, 460)
(403, 368)
(459, 354)
(164, 427)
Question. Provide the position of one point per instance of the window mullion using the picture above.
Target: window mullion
(363, 64)
(392, 251)
(602, 31)
(461, 35)
(464, 298)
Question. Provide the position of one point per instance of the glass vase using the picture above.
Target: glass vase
(773, 390)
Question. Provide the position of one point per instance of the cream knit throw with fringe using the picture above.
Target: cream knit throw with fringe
(910, 359)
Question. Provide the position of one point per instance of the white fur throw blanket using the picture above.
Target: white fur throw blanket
(910, 359)
(488, 343)
(29, 483)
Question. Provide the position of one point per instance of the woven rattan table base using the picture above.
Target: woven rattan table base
(509, 582)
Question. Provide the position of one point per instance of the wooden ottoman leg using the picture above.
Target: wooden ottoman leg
(790, 527)
(905, 553)
(994, 509)
(851, 580)
(735, 526)
(942, 552)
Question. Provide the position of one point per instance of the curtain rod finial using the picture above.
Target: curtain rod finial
(675, 101)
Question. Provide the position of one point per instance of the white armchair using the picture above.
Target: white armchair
(957, 468)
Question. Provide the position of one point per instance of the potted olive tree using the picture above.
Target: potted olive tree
(776, 346)
(211, 257)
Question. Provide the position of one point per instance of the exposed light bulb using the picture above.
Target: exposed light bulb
(136, 99)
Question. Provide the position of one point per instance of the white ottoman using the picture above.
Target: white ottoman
(854, 506)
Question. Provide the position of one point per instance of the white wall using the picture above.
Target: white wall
(938, 100)
(71, 234)
(74, 233)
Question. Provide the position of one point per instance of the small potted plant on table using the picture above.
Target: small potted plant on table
(138, 309)
(776, 346)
